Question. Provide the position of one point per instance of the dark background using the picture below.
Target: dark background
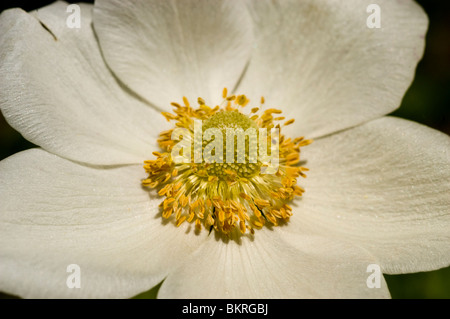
(427, 101)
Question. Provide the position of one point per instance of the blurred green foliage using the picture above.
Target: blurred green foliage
(427, 102)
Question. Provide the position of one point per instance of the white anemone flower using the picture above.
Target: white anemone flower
(377, 191)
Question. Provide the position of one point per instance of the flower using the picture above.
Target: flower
(91, 97)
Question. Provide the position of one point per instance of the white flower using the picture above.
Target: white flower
(377, 190)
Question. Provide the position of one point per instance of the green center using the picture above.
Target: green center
(245, 163)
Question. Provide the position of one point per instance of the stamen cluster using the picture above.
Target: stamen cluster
(226, 196)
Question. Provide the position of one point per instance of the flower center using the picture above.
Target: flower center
(239, 153)
(232, 171)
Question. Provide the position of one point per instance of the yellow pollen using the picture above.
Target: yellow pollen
(239, 191)
(246, 166)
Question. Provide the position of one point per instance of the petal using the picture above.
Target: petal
(56, 213)
(164, 50)
(321, 63)
(271, 265)
(58, 93)
(384, 186)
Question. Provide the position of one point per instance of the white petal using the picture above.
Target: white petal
(164, 50)
(55, 213)
(318, 60)
(274, 266)
(384, 186)
(58, 93)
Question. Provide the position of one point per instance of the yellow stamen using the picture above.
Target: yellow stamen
(185, 101)
(180, 221)
(289, 122)
(231, 198)
(224, 93)
(201, 101)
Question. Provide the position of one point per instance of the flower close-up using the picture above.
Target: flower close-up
(128, 188)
